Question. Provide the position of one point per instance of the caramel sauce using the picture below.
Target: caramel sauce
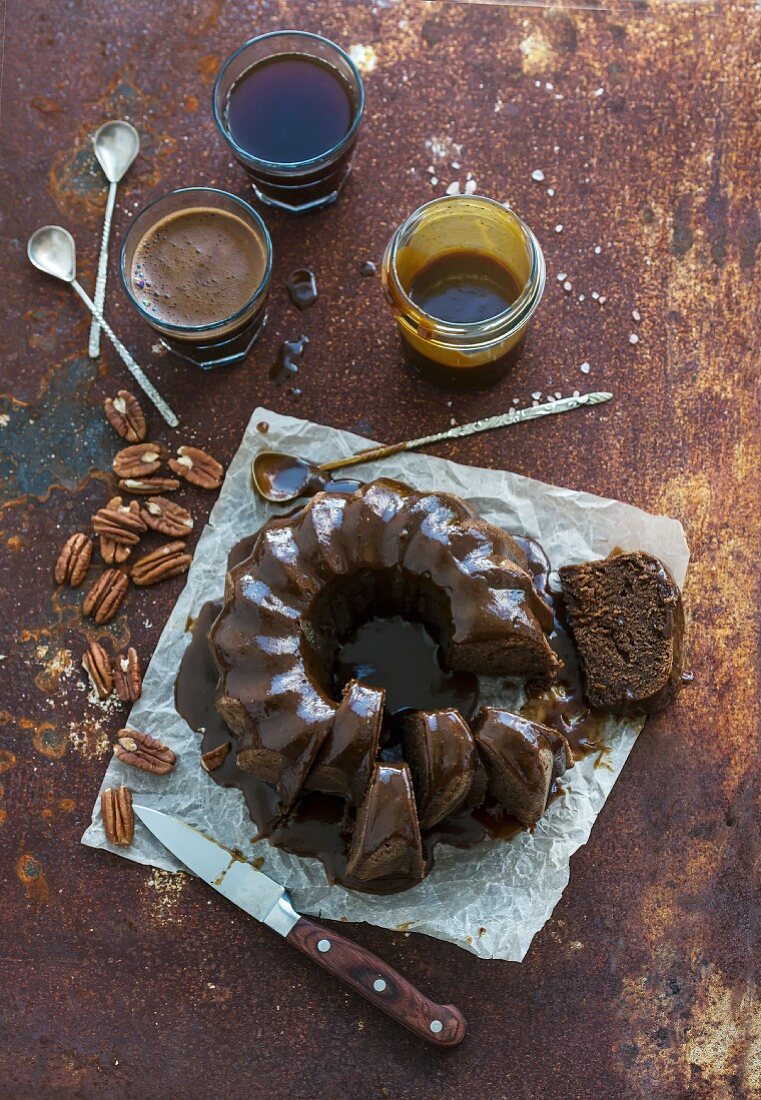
(302, 287)
(289, 356)
(319, 826)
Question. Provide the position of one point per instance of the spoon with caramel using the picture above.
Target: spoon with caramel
(281, 478)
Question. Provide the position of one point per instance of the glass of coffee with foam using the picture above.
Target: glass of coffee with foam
(289, 105)
(196, 264)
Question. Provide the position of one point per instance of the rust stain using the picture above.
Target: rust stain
(49, 740)
(191, 103)
(45, 106)
(15, 543)
(67, 805)
(7, 758)
(207, 67)
(32, 878)
(58, 668)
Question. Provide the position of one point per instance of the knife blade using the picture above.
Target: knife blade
(267, 901)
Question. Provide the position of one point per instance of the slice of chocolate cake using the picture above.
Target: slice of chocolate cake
(441, 753)
(626, 617)
(344, 764)
(521, 758)
(386, 842)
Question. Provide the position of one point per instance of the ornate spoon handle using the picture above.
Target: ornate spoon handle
(486, 424)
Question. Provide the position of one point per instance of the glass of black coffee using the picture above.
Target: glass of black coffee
(196, 264)
(289, 105)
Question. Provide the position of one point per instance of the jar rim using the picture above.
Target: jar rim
(501, 323)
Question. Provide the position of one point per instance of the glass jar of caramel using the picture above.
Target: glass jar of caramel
(464, 276)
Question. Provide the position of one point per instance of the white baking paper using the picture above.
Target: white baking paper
(491, 899)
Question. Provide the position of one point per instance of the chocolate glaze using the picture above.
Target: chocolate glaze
(289, 356)
(317, 824)
(302, 287)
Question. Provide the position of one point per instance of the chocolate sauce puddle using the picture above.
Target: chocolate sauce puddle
(289, 356)
(318, 825)
(302, 288)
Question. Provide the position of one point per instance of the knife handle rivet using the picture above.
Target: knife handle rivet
(436, 1026)
(323, 946)
(379, 985)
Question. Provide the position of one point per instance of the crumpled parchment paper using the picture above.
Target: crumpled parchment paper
(491, 899)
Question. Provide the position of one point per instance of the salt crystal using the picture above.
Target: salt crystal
(562, 276)
(470, 187)
(550, 191)
(537, 175)
(636, 315)
(567, 285)
(558, 228)
(576, 393)
(584, 368)
(600, 91)
(603, 299)
(536, 395)
(454, 188)
(633, 338)
(581, 297)
(548, 86)
(452, 421)
(558, 394)
(595, 295)
(598, 250)
(455, 164)
(516, 400)
(434, 180)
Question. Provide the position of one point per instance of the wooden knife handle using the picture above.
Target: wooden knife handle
(380, 984)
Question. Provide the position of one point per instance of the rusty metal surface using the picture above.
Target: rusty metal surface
(119, 981)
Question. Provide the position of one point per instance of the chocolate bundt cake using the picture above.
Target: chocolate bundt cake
(522, 759)
(386, 842)
(441, 753)
(626, 617)
(386, 549)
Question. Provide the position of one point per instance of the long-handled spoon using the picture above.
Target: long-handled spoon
(51, 249)
(280, 478)
(116, 145)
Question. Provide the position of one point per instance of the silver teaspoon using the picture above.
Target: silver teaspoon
(116, 145)
(51, 249)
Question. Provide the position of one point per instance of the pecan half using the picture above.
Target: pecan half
(166, 517)
(128, 680)
(168, 561)
(198, 468)
(97, 665)
(215, 757)
(74, 560)
(118, 815)
(125, 416)
(119, 523)
(148, 486)
(106, 596)
(139, 460)
(144, 752)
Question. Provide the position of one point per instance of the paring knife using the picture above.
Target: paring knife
(260, 897)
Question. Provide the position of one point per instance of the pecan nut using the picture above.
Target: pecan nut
(97, 665)
(139, 460)
(166, 517)
(215, 757)
(197, 467)
(119, 523)
(144, 752)
(168, 561)
(74, 560)
(106, 596)
(125, 416)
(148, 486)
(118, 815)
(128, 680)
